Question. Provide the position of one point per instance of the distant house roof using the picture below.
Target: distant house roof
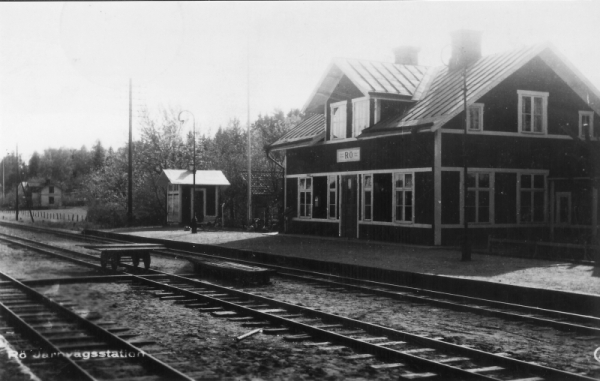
(185, 177)
(308, 129)
(436, 93)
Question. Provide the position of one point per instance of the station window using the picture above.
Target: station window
(305, 197)
(475, 119)
(332, 197)
(478, 197)
(533, 112)
(173, 203)
(360, 115)
(368, 197)
(50, 189)
(338, 120)
(586, 125)
(51, 200)
(403, 190)
(532, 191)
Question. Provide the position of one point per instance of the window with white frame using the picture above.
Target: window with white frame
(305, 197)
(533, 112)
(367, 197)
(478, 197)
(173, 203)
(532, 192)
(332, 195)
(475, 119)
(586, 125)
(338, 120)
(403, 190)
(360, 115)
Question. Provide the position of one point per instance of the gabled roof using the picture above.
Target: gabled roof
(444, 99)
(438, 97)
(307, 130)
(370, 77)
(185, 177)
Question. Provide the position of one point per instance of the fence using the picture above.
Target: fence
(44, 215)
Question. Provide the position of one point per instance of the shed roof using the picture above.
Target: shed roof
(185, 177)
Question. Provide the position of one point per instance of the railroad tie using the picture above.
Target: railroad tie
(173, 297)
(297, 338)
(210, 309)
(321, 344)
(391, 343)
(420, 350)
(486, 369)
(333, 348)
(387, 366)
(363, 356)
(224, 313)
(453, 359)
(275, 331)
(412, 376)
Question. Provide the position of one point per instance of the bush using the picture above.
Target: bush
(107, 215)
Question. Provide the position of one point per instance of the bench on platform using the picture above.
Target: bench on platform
(232, 271)
(115, 252)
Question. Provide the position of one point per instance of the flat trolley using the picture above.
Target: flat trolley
(114, 253)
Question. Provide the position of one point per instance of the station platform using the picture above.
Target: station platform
(442, 261)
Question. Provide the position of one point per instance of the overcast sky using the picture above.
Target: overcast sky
(64, 67)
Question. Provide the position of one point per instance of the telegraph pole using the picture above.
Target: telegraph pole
(130, 171)
(18, 181)
(249, 141)
(466, 252)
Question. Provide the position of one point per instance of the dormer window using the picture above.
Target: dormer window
(338, 120)
(586, 125)
(475, 119)
(360, 115)
(533, 112)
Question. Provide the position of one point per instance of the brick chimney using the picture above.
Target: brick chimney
(406, 55)
(466, 48)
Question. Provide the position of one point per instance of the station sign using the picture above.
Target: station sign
(350, 154)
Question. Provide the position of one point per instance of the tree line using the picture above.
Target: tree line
(100, 176)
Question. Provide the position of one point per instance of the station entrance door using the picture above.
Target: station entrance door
(349, 206)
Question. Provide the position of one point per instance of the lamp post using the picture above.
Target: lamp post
(194, 222)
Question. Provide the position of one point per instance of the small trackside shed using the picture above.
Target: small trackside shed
(181, 201)
(379, 155)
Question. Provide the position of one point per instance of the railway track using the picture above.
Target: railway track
(417, 356)
(569, 322)
(48, 334)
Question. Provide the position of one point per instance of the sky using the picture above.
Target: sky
(65, 67)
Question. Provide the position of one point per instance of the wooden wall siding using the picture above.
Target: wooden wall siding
(563, 158)
(424, 197)
(326, 229)
(505, 198)
(450, 197)
(501, 104)
(581, 199)
(186, 204)
(402, 234)
(291, 197)
(211, 200)
(479, 237)
(405, 151)
(390, 109)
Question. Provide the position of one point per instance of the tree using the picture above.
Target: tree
(56, 165)
(98, 155)
(34, 165)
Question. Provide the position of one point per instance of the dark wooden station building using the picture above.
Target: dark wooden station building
(379, 155)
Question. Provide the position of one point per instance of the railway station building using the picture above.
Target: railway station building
(181, 201)
(379, 155)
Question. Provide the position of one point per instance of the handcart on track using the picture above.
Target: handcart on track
(114, 253)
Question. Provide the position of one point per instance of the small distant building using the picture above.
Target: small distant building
(45, 195)
(181, 201)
